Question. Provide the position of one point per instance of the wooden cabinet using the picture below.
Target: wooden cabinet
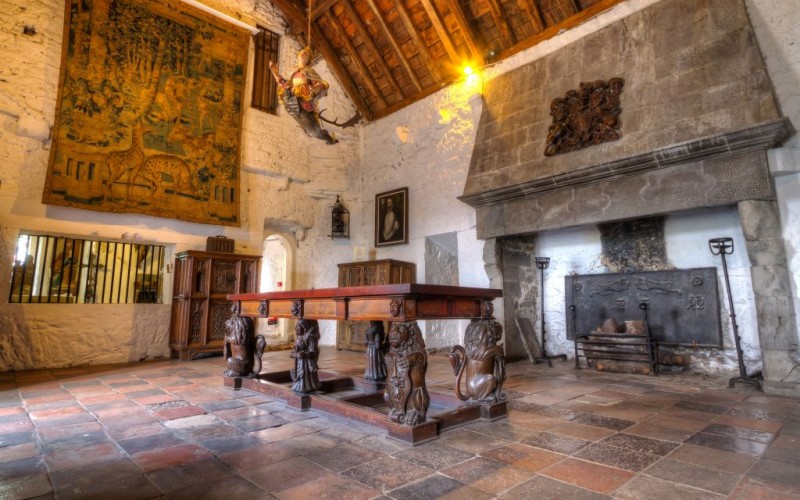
(200, 306)
(351, 334)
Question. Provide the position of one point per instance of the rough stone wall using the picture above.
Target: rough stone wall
(691, 69)
(288, 181)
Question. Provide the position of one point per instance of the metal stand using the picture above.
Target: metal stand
(723, 247)
(543, 263)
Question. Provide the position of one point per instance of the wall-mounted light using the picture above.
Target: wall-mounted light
(340, 220)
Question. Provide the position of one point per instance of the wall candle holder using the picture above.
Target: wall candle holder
(723, 247)
(543, 263)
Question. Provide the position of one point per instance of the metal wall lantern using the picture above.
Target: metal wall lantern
(340, 220)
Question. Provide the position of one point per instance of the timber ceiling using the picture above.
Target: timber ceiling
(390, 53)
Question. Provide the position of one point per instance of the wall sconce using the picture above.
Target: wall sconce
(340, 220)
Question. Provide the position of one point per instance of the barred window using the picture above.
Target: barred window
(265, 95)
(58, 269)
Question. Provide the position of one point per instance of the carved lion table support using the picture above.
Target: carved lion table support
(305, 353)
(407, 362)
(483, 360)
(242, 349)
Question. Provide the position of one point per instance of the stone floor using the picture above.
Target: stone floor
(170, 429)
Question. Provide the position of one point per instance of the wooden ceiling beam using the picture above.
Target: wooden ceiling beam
(534, 14)
(361, 68)
(466, 32)
(351, 89)
(419, 42)
(501, 21)
(368, 40)
(320, 8)
(298, 22)
(441, 30)
(396, 46)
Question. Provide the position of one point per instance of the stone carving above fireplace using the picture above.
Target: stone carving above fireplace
(585, 117)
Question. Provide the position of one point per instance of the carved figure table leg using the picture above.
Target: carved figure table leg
(305, 378)
(242, 349)
(376, 350)
(483, 360)
(406, 362)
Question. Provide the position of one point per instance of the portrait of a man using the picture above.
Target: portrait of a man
(391, 217)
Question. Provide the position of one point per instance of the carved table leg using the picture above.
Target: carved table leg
(482, 360)
(242, 350)
(407, 362)
(305, 378)
(376, 349)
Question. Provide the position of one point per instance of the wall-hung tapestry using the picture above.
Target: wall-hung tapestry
(149, 111)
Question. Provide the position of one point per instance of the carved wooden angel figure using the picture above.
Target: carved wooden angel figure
(407, 363)
(305, 353)
(483, 360)
(299, 94)
(242, 349)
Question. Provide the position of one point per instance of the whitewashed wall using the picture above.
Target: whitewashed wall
(288, 181)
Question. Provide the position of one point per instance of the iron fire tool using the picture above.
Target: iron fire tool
(543, 263)
(723, 247)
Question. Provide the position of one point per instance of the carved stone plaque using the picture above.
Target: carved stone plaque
(585, 117)
(683, 304)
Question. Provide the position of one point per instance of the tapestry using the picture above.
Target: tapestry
(149, 111)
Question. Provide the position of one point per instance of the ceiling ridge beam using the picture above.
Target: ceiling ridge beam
(466, 32)
(361, 67)
(393, 41)
(370, 42)
(534, 13)
(501, 21)
(441, 30)
(422, 47)
(323, 7)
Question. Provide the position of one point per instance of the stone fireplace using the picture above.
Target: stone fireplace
(697, 116)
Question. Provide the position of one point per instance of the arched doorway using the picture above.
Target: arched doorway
(276, 273)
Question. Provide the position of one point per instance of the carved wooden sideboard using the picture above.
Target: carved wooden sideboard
(351, 335)
(200, 307)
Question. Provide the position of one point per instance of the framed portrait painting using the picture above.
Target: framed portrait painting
(391, 217)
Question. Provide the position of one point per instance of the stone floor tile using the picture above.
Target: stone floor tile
(438, 487)
(70, 458)
(256, 456)
(612, 423)
(230, 443)
(181, 476)
(614, 456)
(704, 478)
(234, 487)
(19, 452)
(532, 420)
(581, 431)
(434, 455)
(237, 413)
(750, 423)
(771, 471)
(677, 423)
(469, 441)
(709, 457)
(648, 430)
(308, 443)
(22, 467)
(81, 477)
(286, 474)
(740, 432)
(750, 489)
(162, 458)
(32, 486)
(135, 486)
(555, 442)
(588, 475)
(727, 443)
(640, 444)
(503, 430)
(486, 474)
(282, 433)
(344, 456)
(545, 488)
(524, 457)
(387, 473)
(329, 488)
(653, 488)
(152, 442)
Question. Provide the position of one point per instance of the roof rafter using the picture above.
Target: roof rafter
(393, 41)
(364, 34)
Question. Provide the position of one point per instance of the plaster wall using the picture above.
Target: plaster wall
(287, 183)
